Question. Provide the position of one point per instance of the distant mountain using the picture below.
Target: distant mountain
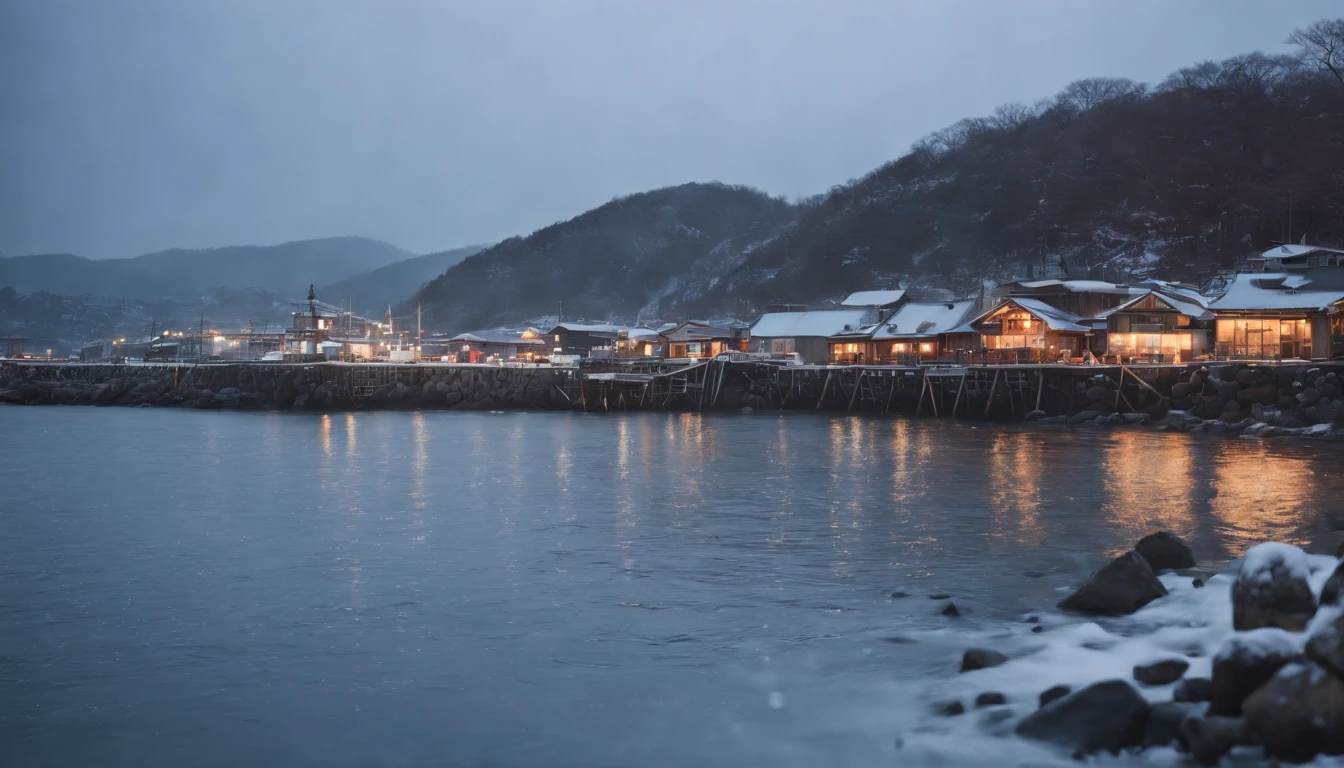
(629, 257)
(286, 269)
(373, 291)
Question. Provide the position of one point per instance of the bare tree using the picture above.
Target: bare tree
(1084, 95)
(1322, 44)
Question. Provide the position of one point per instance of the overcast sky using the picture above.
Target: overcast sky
(133, 126)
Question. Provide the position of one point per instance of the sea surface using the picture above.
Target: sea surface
(183, 588)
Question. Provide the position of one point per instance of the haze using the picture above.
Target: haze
(128, 127)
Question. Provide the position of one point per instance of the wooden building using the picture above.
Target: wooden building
(495, 346)
(912, 334)
(1159, 326)
(1031, 330)
(695, 338)
(1270, 316)
(582, 339)
(808, 334)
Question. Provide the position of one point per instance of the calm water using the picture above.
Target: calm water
(183, 588)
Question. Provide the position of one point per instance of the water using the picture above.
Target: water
(184, 588)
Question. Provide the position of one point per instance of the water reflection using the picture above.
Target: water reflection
(1018, 466)
(1263, 491)
(1149, 483)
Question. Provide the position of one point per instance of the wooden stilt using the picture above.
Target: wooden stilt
(855, 393)
(1040, 387)
(960, 388)
(924, 384)
(891, 394)
(822, 397)
(1145, 384)
(994, 385)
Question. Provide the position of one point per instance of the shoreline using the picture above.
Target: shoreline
(1262, 400)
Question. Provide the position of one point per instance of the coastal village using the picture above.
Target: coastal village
(1252, 351)
(1288, 305)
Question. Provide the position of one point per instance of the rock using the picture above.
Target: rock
(1244, 663)
(1165, 723)
(1097, 393)
(898, 595)
(1109, 715)
(1272, 590)
(990, 699)
(1038, 629)
(1193, 689)
(1209, 738)
(1334, 586)
(1325, 645)
(1182, 389)
(1161, 672)
(1165, 550)
(747, 409)
(949, 708)
(981, 658)
(1121, 587)
(1082, 416)
(1034, 415)
(950, 610)
(1298, 714)
(1054, 692)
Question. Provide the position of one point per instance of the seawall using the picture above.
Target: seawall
(1225, 396)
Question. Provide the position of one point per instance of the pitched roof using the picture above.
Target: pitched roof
(695, 330)
(598, 328)
(873, 298)
(1273, 291)
(495, 336)
(1288, 249)
(1179, 302)
(1054, 318)
(924, 318)
(819, 322)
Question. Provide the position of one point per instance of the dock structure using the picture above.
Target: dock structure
(1002, 392)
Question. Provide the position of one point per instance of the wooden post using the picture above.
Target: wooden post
(824, 386)
(855, 393)
(924, 384)
(1145, 384)
(891, 394)
(994, 385)
(1040, 386)
(960, 388)
(933, 401)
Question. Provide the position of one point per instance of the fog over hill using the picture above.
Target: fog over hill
(285, 269)
(373, 291)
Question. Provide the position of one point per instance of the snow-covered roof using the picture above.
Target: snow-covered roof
(1273, 291)
(1072, 286)
(873, 298)
(494, 336)
(1280, 251)
(1179, 302)
(1054, 318)
(819, 322)
(643, 333)
(586, 328)
(696, 330)
(924, 318)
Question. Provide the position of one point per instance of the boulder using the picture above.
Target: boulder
(1109, 715)
(1272, 590)
(1054, 692)
(1161, 672)
(1209, 738)
(981, 658)
(1334, 586)
(1244, 663)
(1082, 416)
(1298, 714)
(1193, 689)
(990, 699)
(949, 708)
(1121, 587)
(1165, 721)
(1325, 644)
(1164, 550)
(1034, 415)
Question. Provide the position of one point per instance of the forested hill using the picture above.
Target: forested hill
(1109, 178)
(615, 261)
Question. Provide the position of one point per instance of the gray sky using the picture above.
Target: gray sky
(128, 126)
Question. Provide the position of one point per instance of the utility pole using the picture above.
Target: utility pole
(200, 337)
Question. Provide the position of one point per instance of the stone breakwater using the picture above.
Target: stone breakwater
(1249, 659)
(317, 387)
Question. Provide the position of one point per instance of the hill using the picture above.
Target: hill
(286, 269)
(1108, 179)
(622, 259)
(373, 291)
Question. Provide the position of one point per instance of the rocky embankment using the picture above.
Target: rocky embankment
(1232, 399)
(266, 387)
(1260, 673)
